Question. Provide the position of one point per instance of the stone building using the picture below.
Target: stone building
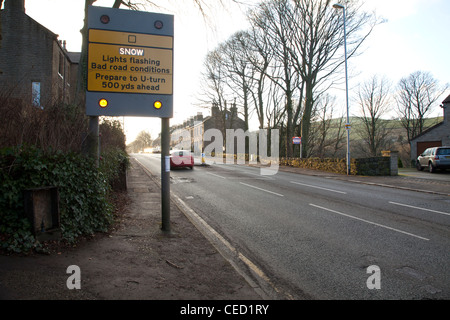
(189, 135)
(436, 136)
(35, 66)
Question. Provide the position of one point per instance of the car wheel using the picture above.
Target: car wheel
(418, 166)
(432, 168)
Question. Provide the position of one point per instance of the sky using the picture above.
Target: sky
(414, 37)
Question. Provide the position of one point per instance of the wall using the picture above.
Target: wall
(375, 166)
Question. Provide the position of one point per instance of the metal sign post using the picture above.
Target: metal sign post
(130, 73)
(165, 174)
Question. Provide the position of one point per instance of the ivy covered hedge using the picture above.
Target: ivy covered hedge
(84, 190)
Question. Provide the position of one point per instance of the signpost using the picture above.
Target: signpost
(298, 140)
(130, 73)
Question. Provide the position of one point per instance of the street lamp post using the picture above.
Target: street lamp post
(347, 125)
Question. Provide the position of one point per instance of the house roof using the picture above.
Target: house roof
(447, 100)
(74, 56)
(427, 130)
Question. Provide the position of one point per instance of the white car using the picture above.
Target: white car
(434, 158)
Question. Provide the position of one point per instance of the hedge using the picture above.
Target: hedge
(83, 190)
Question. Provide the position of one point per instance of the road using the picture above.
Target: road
(315, 238)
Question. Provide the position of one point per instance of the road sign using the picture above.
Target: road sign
(297, 140)
(130, 63)
(129, 68)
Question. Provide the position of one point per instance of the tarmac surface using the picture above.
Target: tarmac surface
(137, 261)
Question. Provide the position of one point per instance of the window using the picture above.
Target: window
(36, 94)
(443, 151)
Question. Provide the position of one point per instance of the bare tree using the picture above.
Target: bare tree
(327, 133)
(374, 102)
(215, 87)
(239, 71)
(306, 41)
(270, 17)
(416, 97)
(142, 141)
(263, 91)
(317, 40)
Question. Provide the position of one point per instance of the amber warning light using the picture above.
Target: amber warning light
(157, 104)
(103, 103)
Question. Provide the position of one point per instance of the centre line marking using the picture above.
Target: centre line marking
(248, 185)
(308, 185)
(216, 175)
(367, 221)
(260, 176)
(409, 206)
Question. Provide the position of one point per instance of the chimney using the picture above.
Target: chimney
(215, 111)
(15, 5)
(199, 116)
(233, 110)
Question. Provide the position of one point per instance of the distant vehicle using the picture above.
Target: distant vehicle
(181, 159)
(434, 158)
(156, 150)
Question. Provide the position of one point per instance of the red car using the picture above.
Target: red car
(181, 159)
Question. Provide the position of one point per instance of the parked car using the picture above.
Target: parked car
(181, 159)
(434, 158)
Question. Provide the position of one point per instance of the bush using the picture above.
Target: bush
(83, 189)
(59, 126)
(113, 164)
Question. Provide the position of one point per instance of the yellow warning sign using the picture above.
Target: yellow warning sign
(129, 67)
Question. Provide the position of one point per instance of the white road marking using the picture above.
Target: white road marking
(367, 221)
(216, 175)
(259, 175)
(249, 185)
(311, 186)
(409, 206)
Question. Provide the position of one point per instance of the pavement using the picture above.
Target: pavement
(137, 261)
